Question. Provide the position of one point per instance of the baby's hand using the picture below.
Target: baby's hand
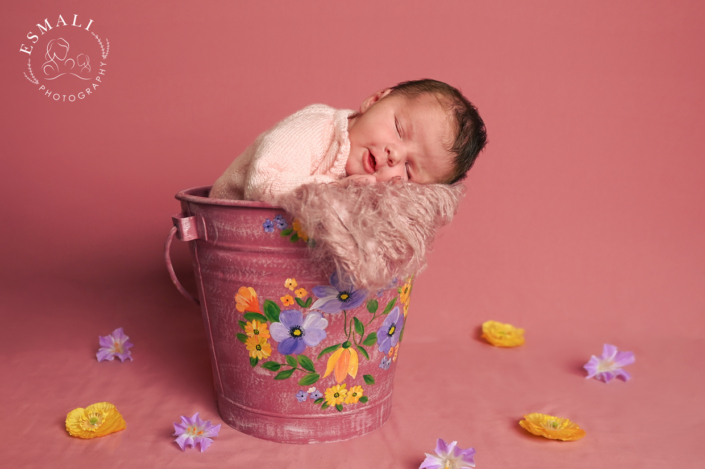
(361, 179)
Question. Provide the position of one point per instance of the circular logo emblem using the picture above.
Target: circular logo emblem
(66, 59)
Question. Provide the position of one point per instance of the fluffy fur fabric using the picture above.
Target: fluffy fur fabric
(372, 233)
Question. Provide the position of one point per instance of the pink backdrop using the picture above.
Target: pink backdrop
(584, 223)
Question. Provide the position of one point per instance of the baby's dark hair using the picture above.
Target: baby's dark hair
(471, 135)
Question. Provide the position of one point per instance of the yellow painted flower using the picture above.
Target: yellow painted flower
(354, 395)
(257, 328)
(246, 300)
(396, 352)
(343, 361)
(502, 335)
(336, 394)
(290, 283)
(301, 292)
(287, 300)
(296, 225)
(406, 308)
(555, 428)
(405, 291)
(258, 346)
(94, 421)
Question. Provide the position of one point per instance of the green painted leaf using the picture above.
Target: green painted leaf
(359, 328)
(271, 366)
(339, 407)
(294, 238)
(309, 300)
(319, 400)
(300, 302)
(287, 232)
(369, 379)
(346, 344)
(364, 399)
(284, 374)
(253, 361)
(364, 352)
(255, 317)
(325, 405)
(291, 361)
(309, 379)
(241, 337)
(306, 363)
(242, 324)
(389, 306)
(401, 335)
(327, 350)
(372, 306)
(371, 339)
(271, 310)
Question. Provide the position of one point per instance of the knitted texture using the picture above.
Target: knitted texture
(374, 233)
(310, 146)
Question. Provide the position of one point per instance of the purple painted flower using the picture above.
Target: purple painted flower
(315, 395)
(114, 345)
(294, 333)
(268, 226)
(388, 334)
(337, 296)
(449, 456)
(301, 396)
(385, 363)
(194, 430)
(609, 365)
(280, 222)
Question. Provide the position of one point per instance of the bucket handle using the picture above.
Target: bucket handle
(185, 228)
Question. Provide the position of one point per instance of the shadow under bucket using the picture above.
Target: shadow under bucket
(297, 356)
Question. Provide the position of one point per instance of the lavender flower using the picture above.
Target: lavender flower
(385, 363)
(268, 226)
(609, 365)
(114, 345)
(294, 333)
(388, 334)
(194, 430)
(301, 396)
(315, 395)
(280, 222)
(337, 296)
(449, 456)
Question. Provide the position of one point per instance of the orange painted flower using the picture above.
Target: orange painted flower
(342, 362)
(257, 329)
(258, 346)
(246, 300)
(406, 308)
(296, 225)
(336, 394)
(94, 421)
(287, 300)
(502, 335)
(290, 283)
(396, 352)
(405, 291)
(555, 428)
(354, 395)
(301, 292)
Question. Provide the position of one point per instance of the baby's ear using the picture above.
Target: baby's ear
(366, 104)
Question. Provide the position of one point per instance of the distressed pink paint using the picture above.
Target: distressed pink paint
(230, 249)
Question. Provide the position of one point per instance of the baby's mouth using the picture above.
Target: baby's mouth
(373, 161)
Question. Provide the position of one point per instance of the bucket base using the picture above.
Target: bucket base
(326, 428)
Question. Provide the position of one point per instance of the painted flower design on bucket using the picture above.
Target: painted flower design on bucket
(294, 333)
(388, 334)
(338, 296)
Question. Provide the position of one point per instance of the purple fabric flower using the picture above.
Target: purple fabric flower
(449, 456)
(385, 363)
(609, 365)
(388, 334)
(194, 430)
(315, 395)
(294, 333)
(280, 222)
(114, 345)
(268, 226)
(337, 296)
(301, 396)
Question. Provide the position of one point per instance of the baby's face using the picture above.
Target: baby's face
(399, 137)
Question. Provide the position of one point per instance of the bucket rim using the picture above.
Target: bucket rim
(188, 196)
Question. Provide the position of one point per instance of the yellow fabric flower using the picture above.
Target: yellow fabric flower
(257, 328)
(258, 347)
(345, 362)
(502, 335)
(290, 283)
(336, 394)
(301, 292)
(555, 428)
(94, 421)
(246, 300)
(296, 225)
(287, 300)
(405, 291)
(354, 395)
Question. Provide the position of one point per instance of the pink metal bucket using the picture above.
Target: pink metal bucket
(297, 355)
